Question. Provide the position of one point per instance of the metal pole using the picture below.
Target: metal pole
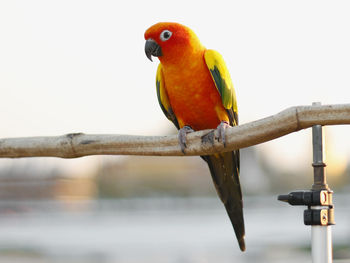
(321, 243)
(321, 235)
(320, 212)
(320, 182)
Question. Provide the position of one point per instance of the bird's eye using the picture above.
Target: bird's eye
(165, 35)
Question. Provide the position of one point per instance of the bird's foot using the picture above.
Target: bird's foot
(182, 136)
(222, 131)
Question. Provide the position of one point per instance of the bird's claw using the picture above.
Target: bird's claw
(182, 136)
(222, 131)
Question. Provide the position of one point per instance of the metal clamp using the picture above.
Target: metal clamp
(321, 217)
(320, 205)
(309, 198)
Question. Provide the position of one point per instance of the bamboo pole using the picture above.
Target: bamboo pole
(78, 144)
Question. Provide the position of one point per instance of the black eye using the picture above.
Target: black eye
(165, 35)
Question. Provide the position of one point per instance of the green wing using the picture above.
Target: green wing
(223, 83)
(163, 97)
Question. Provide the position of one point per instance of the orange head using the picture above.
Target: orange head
(171, 42)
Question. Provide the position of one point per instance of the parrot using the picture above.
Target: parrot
(195, 92)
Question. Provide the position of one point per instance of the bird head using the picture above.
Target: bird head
(170, 42)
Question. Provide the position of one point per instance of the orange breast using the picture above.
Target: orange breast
(193, 96)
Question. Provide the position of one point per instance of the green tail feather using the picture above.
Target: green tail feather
(224, 169)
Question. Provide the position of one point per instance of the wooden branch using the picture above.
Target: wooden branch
(263, 130)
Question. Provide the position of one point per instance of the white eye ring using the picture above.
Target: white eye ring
(165, 35)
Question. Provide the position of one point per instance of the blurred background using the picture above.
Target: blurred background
(79, 66)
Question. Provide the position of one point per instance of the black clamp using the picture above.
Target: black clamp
(313, 216)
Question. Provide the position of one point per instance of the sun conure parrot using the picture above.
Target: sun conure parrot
(195, 92)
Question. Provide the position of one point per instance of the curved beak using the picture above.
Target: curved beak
(152, 49)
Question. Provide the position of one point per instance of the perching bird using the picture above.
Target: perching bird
(195, 92)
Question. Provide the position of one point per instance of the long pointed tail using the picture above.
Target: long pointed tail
(224, 169)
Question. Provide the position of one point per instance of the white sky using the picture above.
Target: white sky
(79, 66)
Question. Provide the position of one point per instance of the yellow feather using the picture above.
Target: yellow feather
(214, 61)
(163, 97)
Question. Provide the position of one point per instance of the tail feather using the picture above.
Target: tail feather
(224, 169)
